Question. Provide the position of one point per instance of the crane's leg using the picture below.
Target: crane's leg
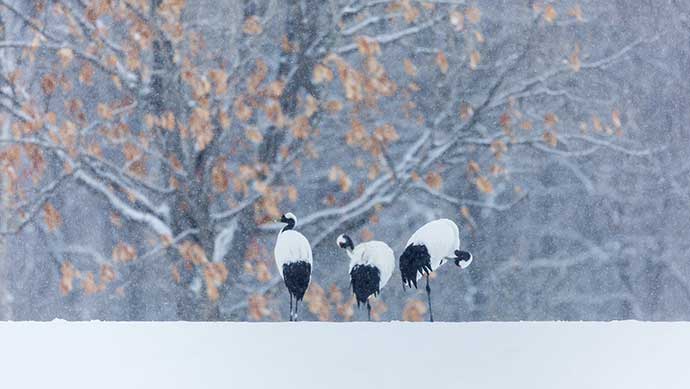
(368, 310)
(296, 308)
(290, 306)
(428, 295)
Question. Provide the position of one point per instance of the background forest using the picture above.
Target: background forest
(146, 146)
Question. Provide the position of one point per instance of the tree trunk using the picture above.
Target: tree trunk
(295, 69)
(5, 295)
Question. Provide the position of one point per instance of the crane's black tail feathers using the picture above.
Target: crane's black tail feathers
(415, 259)
(297, 276)
(364, 280)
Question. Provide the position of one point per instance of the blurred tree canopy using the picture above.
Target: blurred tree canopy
(148, 145)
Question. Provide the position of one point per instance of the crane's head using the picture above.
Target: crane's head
(345, 242)
(463, 258)
(288, 218)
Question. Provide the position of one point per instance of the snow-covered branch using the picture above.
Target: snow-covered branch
(129, 212)
(394, 36)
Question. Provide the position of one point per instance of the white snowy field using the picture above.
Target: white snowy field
(331, 355)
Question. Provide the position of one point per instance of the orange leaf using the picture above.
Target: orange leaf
(48, 84)
(252, 26)
(106, 274)
(550, 138)
(473, 167)
(67, 274)
(167, 121)
(300, 127)
(263, 274)
(526, 125)
(88, 283)
(484, 185)
(616, 118)
(473, 14)
(479, 37)
(175, 272)
(123, 252)
(475, 57)
(410, 13)
(414, 310)
(317, 302)
(86, 74)
(334, 106)
(465, 212)
(51, 118)
(434, 180)
(321, 74)
(497, 170)
(576, 12)
(574, 59)
(192, 252)
(367, 46)
(257, 77)
(442, 62)
(498, 147)
(66, 55)
(550, 13)
(345, 183)
(219, 176)
(505, 120)
(242, 110)
(215, 273)
(220, 80)
(550, 120)
(116, 81)
(311, 106)
(200, 124)
(292, 193)
(275, 89)
(257, 307)
(596, 122)
(104, 111)
(254, 135)
(386, 134)
(410, 69)
(51, 217)
(366, 234)
(339, 175)
(466, 111)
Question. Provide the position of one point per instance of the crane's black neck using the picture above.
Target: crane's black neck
(290, 225)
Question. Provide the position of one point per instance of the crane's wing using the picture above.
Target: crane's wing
(291, 246)
(379, 254)
(441, 238)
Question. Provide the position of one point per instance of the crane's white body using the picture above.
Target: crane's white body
(441, 238)
(291, 246)
(374, 253)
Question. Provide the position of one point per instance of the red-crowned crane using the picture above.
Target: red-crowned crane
(371, 266)
(430, 247)
(294, 260)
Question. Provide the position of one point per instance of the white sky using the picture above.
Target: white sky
(331, 355)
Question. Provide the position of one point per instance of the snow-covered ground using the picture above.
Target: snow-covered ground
(330, 355)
